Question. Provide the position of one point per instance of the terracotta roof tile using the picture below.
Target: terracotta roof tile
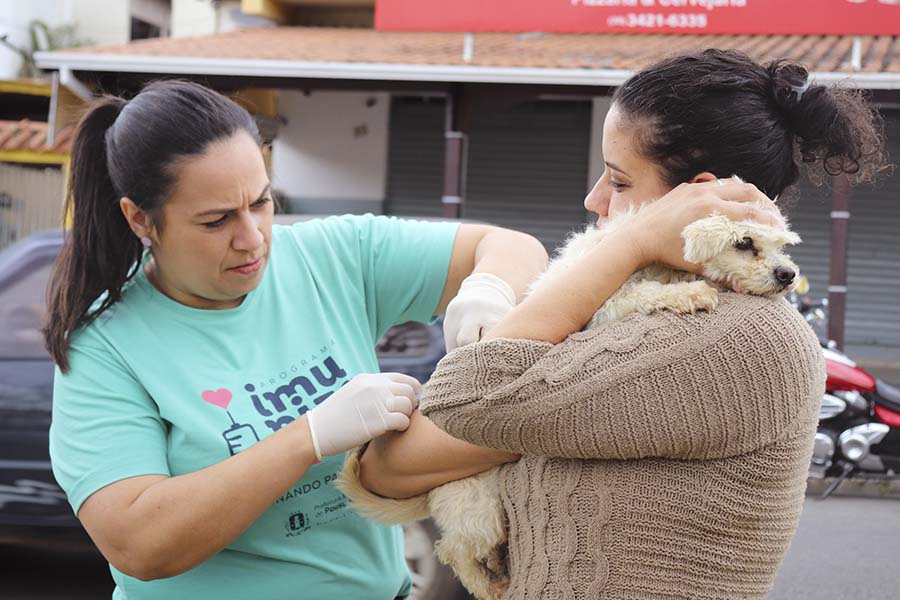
(805, 46)
(22, 138)
(876, 53)
(606, 51)
(31, 136)
(892, 60)
(63, 141)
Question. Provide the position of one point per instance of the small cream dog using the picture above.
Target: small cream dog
(744, 256)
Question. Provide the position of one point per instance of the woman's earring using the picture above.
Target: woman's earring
(145, 242)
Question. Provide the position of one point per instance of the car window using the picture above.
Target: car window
(22, 310)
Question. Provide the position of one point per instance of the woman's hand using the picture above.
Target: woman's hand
(656, 230)
(365, 408)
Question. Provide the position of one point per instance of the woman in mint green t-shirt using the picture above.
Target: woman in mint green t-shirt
(212, 368)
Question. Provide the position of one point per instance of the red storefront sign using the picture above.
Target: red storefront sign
(807, 17)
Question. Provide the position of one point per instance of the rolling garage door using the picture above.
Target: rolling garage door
(528, 167)
(527, 164)
(873, 300)
(415, 181)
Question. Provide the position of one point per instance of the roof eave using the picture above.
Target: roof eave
(172, 65)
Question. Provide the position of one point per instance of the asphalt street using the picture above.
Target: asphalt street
(845, 549)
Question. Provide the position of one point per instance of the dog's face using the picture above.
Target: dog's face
(745, 256)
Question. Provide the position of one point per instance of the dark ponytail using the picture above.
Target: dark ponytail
(125, 149)
(719, 111)
(100, 252)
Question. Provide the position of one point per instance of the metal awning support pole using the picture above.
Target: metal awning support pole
(840, 234)
(455, 142)
(68, 79)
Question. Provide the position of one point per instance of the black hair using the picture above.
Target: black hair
(719, 111)
(126, 149)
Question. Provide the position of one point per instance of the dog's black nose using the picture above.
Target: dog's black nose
(784, 275)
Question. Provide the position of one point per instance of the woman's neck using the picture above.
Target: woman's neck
(158, 280)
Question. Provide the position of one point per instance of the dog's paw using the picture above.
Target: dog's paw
(702, 296)
(474, 574)
(470, 516)
(495, 561)
(688, 297)
(499, 587)
(485, 577)
(479, 561)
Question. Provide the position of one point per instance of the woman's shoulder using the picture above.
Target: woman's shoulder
(326, 225)
(117, 322)
(353, 226)
(100, 334)
(765, 331)
(757, 319)
(757, 328)
(338, 234)
(733, 311)
(759, 313)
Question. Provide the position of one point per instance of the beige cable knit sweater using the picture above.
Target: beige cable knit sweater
(700, 428)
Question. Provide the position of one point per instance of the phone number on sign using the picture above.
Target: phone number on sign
(649, 20)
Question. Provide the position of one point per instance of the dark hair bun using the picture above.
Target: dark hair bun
(833, 125)
(790, 81)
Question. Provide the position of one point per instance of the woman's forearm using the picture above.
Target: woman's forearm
(424, 457)
(514, 257)
(402, 465)
(560, 308)
(179, 522)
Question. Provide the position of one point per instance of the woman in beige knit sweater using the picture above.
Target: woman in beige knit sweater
(662, 456)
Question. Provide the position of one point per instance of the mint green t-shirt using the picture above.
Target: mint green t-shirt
(156, 387)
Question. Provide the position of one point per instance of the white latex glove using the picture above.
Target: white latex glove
(483, 300)
(366, 407)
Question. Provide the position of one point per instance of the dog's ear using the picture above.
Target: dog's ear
(788, 238)
(770, 236)
(707, 237)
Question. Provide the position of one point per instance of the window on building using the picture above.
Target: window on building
(142, 30)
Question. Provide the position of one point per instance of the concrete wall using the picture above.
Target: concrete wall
(331, 155)
(193, 17)
(102, 21)
(113, 28)
(201, 17)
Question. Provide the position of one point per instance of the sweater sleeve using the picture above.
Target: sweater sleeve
(703, 386)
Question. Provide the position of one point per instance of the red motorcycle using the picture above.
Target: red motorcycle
(859, 419)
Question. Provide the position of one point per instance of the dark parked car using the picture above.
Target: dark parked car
(33, 508)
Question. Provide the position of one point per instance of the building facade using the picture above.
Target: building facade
(500, 128)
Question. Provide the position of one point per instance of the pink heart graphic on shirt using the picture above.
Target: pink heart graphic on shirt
(221, 397)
